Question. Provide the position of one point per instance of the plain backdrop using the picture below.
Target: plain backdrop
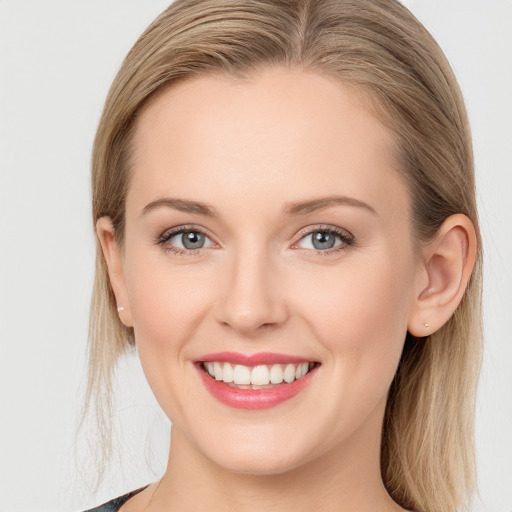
(57, 60)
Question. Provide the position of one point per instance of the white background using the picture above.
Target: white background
(57, 60)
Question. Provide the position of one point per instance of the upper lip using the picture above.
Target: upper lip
(252, 359)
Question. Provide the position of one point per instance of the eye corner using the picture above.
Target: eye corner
(335, 240)
(179, 246)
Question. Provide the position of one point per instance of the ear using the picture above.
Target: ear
(113, 256)
(447, 263)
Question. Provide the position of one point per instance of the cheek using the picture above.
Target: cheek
(167, 304)
(166, 300)
(359, 312)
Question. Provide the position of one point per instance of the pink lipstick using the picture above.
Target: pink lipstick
(255, 381)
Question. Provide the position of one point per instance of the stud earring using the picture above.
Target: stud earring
(120, 308)
(426, 324)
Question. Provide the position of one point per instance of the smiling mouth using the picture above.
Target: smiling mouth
(261, 376)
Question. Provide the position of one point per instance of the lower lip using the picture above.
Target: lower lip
(253, 399)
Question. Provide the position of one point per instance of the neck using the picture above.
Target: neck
(347, 478)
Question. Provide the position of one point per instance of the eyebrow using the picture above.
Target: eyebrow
(314, 205)
(181, 205)
(296, 208)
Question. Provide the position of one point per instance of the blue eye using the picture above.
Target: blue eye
(189, 240)
(325, 240)
(184, 240)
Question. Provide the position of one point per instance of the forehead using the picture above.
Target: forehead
(283, 133)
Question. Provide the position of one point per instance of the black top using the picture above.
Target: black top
(116, 504)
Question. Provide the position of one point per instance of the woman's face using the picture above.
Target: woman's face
(265, 218)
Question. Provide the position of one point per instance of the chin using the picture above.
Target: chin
(257, 457)
(258, 464)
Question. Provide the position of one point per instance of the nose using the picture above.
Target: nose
(252, 299)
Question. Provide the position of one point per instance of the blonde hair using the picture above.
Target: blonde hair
(378, 46)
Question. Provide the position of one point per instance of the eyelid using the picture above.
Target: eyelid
(166, 235)
(346, 237)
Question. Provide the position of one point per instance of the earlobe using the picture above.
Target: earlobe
(448, 262)
(114, 260)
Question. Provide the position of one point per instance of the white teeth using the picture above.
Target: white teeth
(209, 368)
(260, 375)
(242, 374)
(289, 373)
(227, 373)
(276, 374)
(217, 368)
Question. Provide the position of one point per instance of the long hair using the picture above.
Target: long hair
(377, 46)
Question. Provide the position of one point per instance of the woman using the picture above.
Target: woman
(283, 194)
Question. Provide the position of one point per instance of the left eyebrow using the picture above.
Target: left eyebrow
(314, 205)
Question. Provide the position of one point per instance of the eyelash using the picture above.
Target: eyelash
(346, 238)
(167, 235)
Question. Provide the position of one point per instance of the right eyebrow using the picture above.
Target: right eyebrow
(181, 205)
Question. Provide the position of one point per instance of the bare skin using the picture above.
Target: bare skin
(270, 158)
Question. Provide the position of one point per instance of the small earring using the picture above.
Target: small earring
(426, 324)
(120, 308)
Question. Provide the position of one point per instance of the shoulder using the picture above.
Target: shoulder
(115, 504)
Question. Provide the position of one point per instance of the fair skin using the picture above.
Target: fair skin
(256, 153)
